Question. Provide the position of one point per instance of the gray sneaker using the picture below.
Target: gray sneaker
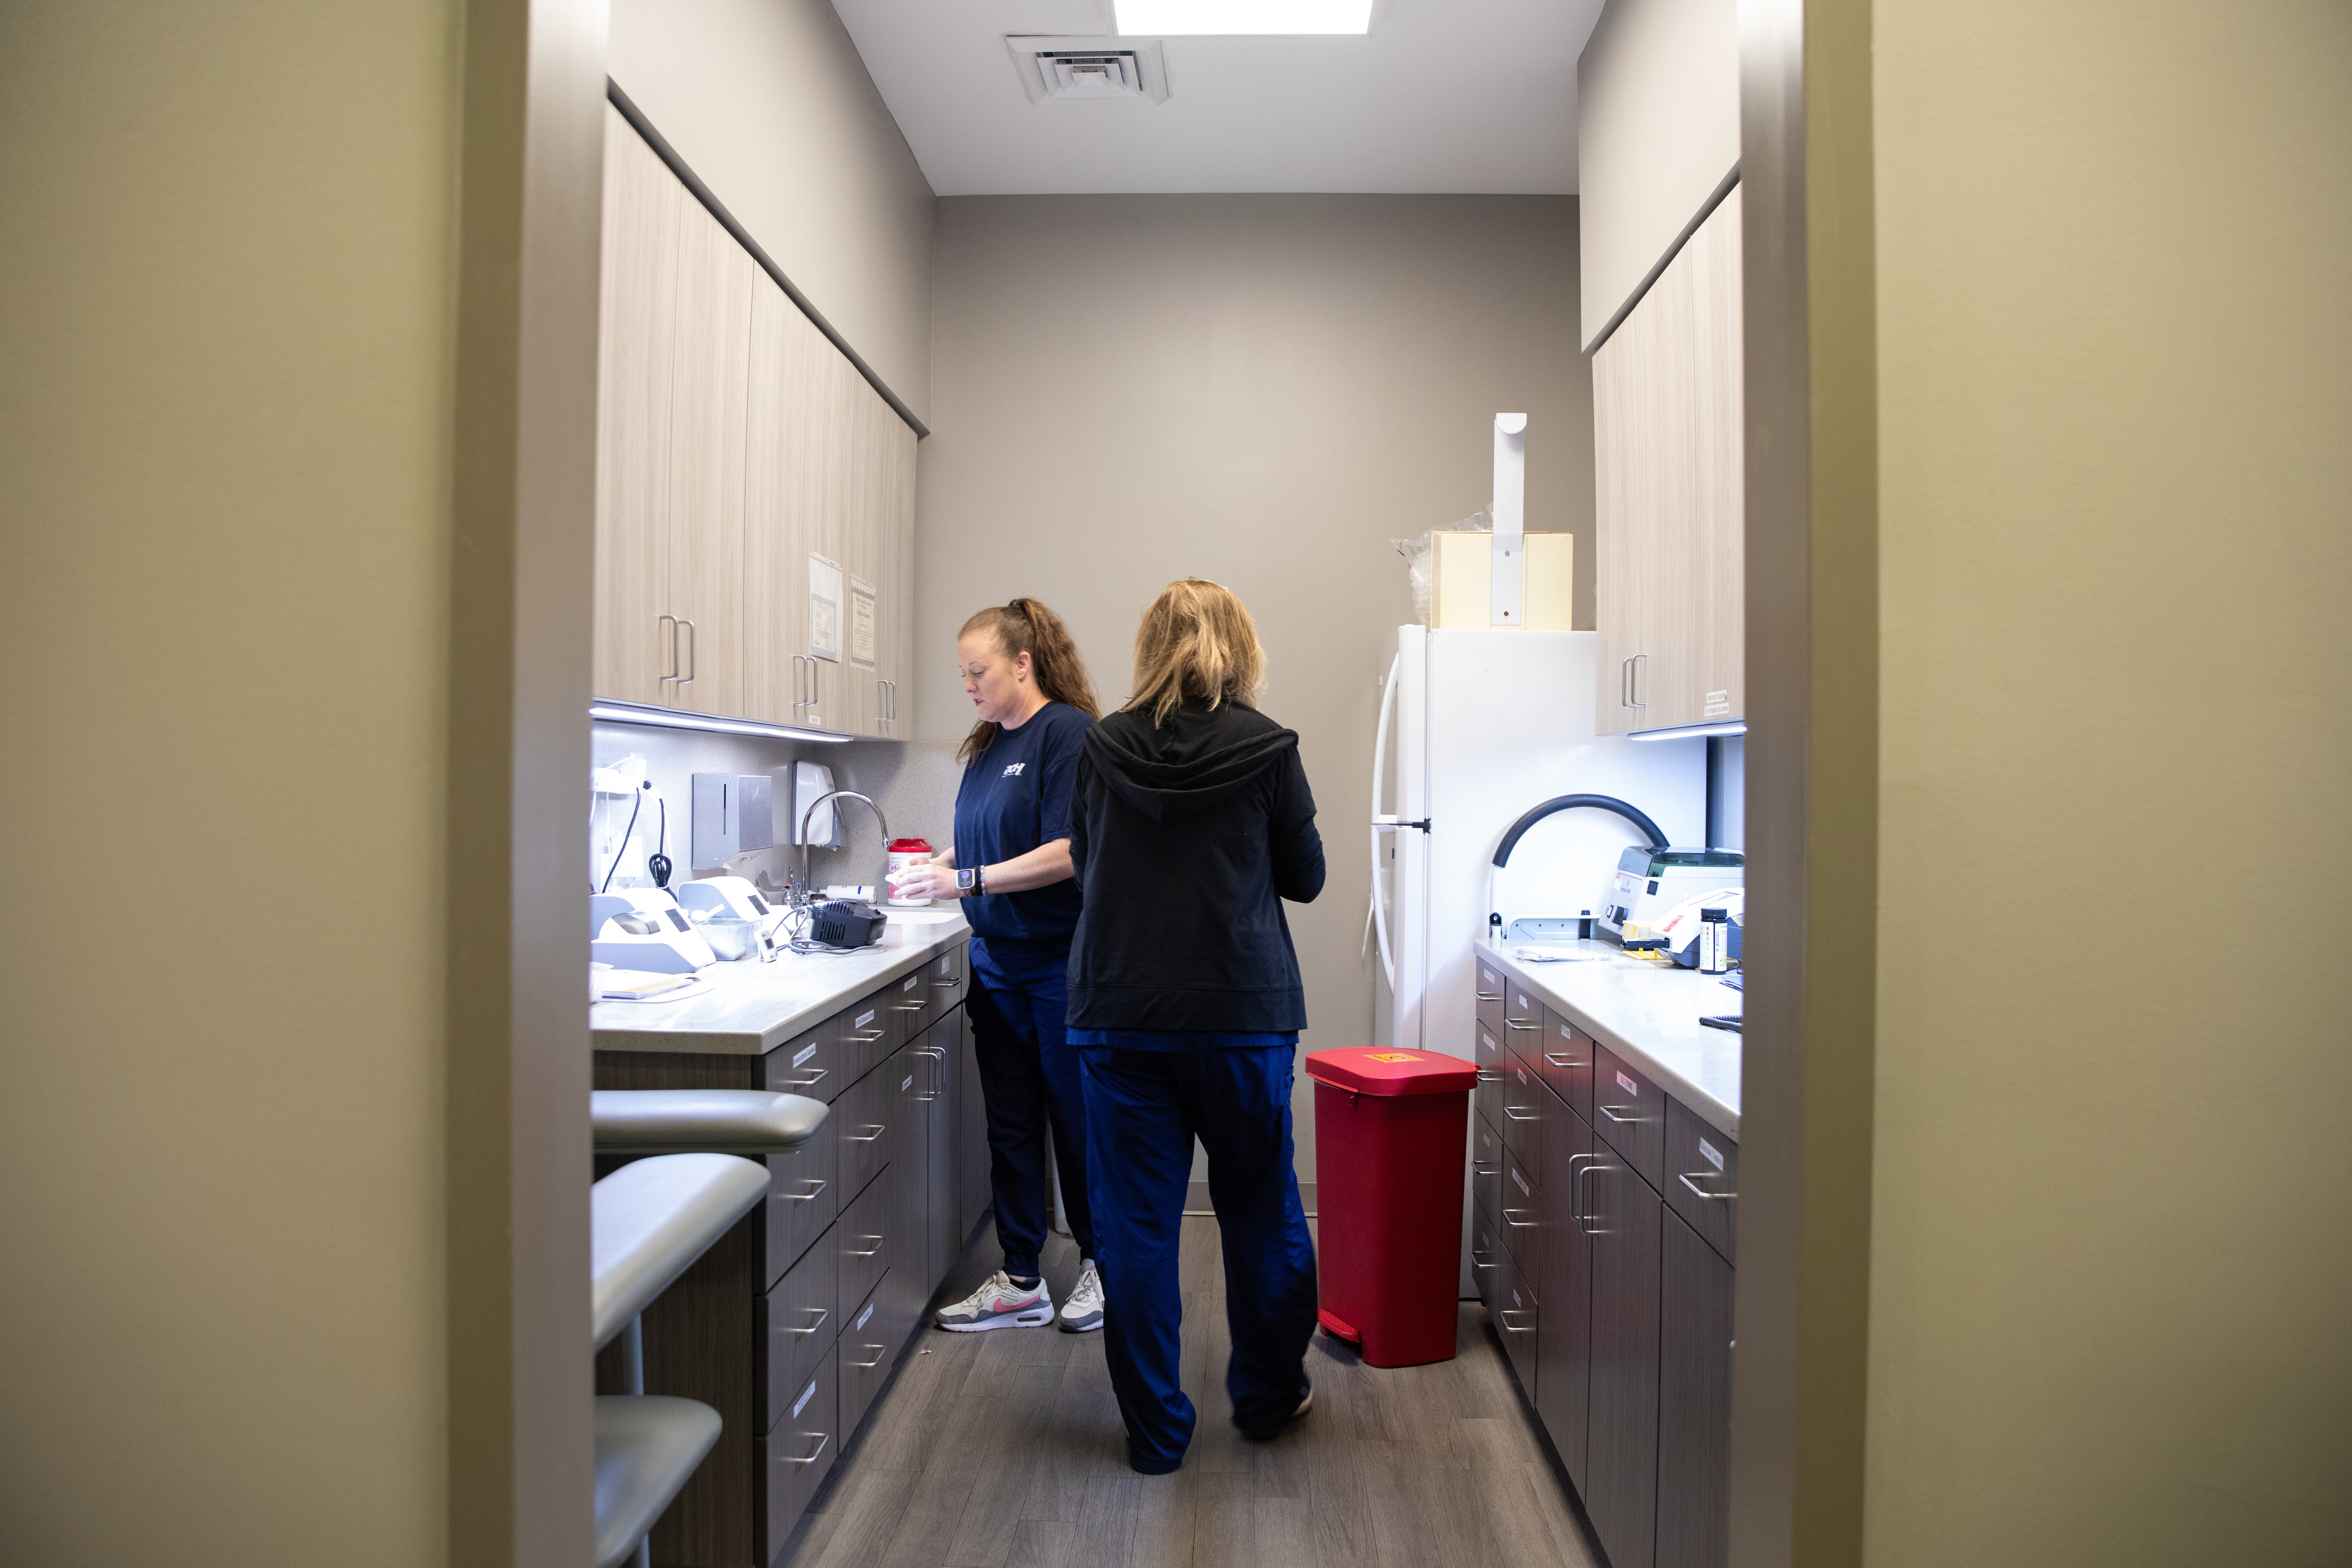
(1082, 1314)
(999, 1304)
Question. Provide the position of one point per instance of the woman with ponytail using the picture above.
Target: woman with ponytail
(1011, 865)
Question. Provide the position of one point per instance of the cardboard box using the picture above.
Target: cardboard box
(1462, 581)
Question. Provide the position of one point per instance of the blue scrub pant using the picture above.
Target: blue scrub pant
(1143, 1110)
(1029, 1079)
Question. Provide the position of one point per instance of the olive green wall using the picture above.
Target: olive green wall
(2111, 1281)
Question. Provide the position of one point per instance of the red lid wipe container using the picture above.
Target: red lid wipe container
(1391, 1134)
(906, 854)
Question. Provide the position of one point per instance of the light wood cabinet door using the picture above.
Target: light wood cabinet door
(1669, 570)
(709, 387)
(863, 497)
(644, 209)
(778, 524)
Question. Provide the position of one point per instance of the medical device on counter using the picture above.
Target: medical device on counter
(1678, 930)
(643, 927)
(731, 915)
(620, 853)
(1651, 883)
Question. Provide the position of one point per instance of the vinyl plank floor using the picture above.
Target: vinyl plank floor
(1005, 1450)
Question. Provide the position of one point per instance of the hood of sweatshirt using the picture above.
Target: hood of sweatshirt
(1182, 767)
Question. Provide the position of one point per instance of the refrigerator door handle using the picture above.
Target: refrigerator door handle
(1378, 914)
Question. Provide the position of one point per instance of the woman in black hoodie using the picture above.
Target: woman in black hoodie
(1191, 823)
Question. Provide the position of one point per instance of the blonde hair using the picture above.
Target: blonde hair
(1196, 640)
(1024, 626)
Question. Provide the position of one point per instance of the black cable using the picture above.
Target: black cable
(1632, 814)
(660, 863)
(636, 800)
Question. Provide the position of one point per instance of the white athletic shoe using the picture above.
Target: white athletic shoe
(1082, 1314)
(999, 1304)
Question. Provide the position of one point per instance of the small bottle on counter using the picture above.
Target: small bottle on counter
(1714, 941)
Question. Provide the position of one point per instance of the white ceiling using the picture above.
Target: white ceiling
(1472, 96)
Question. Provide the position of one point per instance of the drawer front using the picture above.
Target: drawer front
(803, 1198)
(912, 1006)
(951, 977)
(812, 1064)
(1702, 1179)
(864, 1356)
(1526, 1102)
(801, 1318)
(864, 1031)
(863, 1241)
(1523, 1017)
(1564, 1060)
(908, 1078)
(799, 1453)
(1628, 1112)
(1487, 1261)
(861, 1120)
(1487, 1044)
(1486, 1166)
(1521, 1222)
(1515, 1320)
(1489, 989)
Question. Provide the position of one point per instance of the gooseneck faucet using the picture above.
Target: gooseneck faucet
(808, 892)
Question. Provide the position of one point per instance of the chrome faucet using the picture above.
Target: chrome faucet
(808, 890)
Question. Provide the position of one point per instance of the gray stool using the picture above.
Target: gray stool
(646, 1448)
(721, 1121)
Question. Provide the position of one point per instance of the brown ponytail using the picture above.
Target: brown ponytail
(1024, 626)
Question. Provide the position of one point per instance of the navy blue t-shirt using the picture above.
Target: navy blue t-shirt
(1015, 796)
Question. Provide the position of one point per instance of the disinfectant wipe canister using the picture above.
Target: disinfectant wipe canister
(906, 854)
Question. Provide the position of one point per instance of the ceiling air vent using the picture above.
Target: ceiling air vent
(1089, 70)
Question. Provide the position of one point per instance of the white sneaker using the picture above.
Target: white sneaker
(999, 1304)
(1082, 1314)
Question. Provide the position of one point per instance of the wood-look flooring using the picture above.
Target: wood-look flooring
(1005, 1450)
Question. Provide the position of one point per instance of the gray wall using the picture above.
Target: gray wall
(1262, 390)
(769, 102)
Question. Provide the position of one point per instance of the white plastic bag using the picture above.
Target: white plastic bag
(1416, 557)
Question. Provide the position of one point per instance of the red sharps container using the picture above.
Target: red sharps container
(1389, 1138)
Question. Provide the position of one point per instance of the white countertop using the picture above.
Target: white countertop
(750, 1008)
(1648, 1014)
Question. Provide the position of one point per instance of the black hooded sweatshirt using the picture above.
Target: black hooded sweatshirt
(1186, 837)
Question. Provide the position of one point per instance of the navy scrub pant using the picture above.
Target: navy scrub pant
(1029, 1080)
(1143, 1110)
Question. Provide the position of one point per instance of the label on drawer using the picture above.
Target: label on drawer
(911, 981)
(1521, 1181)
(863, 1316)
(802, 1402)
(1522, 1073)
(1523, 1001)
(803, 1054)
(863, 1019)
(907, 1083)
(1628, 1085)
(1713, 1155)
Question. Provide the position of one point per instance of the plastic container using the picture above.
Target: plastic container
(905, 855)
(1391, 1132)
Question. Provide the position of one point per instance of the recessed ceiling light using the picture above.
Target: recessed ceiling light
(1169, 18)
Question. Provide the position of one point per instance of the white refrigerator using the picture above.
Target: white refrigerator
(1475, 727)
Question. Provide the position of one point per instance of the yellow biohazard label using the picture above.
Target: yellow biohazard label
(1391, 1057)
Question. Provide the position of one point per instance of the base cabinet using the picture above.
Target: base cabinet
(792, 1325)
(1621, 1492)
(1693, 1402)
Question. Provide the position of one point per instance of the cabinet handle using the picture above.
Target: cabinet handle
(1513, 1113)
(1481, 1168)
(693, 652)
(822, 1439)
(1504, 1317)
(1487, 1075)
(1515, 1024)
(1488, 995)
(1610, 1111)
(870, 1251)
(937, 1053)
(878, 1132)
(1641, 663)
(809, 1196)
(1555, 1057)
(865, 1037)
(810, 1081)
(1577, 1192)
(822, 1315)
(1475, 1264)
(672, 673)
(880, 1351)
(1518, 1224)
(914, 1006)
(1699, 1192)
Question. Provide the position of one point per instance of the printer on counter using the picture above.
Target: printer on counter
(643, 927)
(1651, 884)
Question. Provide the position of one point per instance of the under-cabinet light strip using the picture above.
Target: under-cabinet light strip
(1696, 732)
(671, 718)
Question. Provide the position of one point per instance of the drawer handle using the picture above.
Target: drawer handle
(1487, 1075)
(1610, 1111)
(1480, 1168)
(1487, 995)
(1583, 1211)
(1475, 1264)
(865, 1037)
(1558, 1059)
(1504, 1317)
(914, 1006)
(822, 1439)
(869, 1251)
(880, 1351)
(822, 1315)
(810, 1081)
(1513, 1114)
(1518, 1224)
(1699, 1192)
(879, 1130)
(1515, 1024)
(937, 1053)
(818, 1184)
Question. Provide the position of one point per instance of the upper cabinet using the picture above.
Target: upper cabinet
(1670, 573)
(755, 495)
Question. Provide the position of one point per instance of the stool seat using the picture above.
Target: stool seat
(649, 1220)
(646, 1448)
(720, 1120)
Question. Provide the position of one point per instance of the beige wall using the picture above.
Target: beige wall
(1263, 390)
(1657, 129)
(2111, 1281)
(769, 102)
(226, 457)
